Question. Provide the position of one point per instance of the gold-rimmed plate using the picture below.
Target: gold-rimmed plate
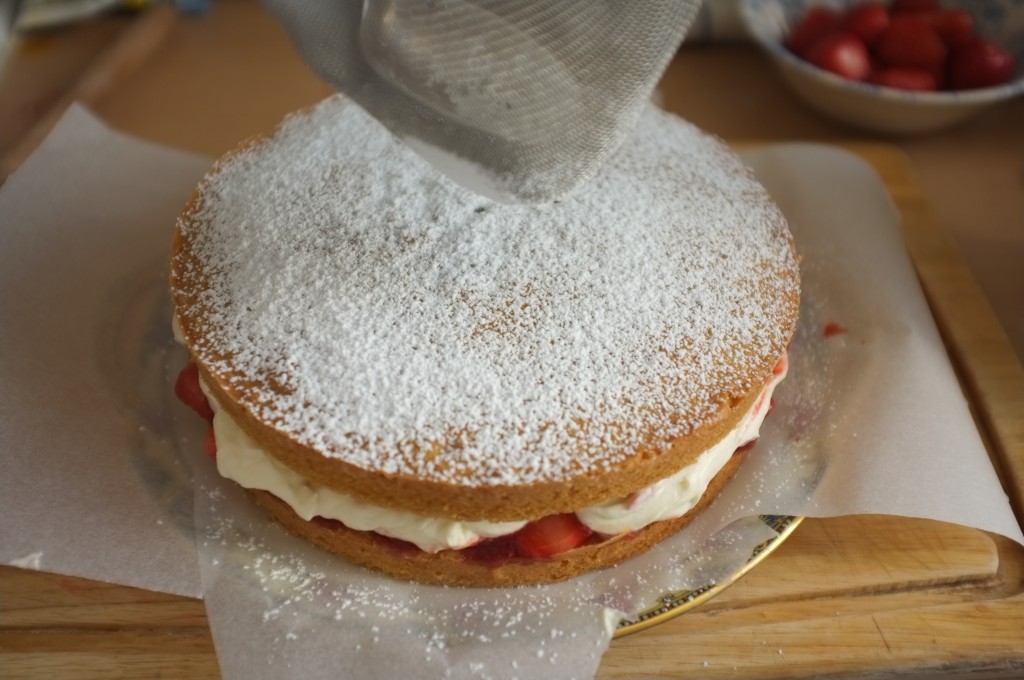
(672, 604)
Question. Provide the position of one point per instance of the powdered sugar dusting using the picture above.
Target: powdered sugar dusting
(396, 311)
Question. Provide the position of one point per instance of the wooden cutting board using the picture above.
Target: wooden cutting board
(865, 596)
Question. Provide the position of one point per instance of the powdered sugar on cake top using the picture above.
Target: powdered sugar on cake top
(398, 310)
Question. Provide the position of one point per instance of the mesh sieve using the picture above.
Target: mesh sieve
(519, 100)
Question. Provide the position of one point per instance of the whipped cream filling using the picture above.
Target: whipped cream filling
(243, 461)
(674, 496)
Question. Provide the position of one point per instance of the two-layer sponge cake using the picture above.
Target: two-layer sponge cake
(457, 391)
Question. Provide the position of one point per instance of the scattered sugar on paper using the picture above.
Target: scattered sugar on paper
(373, 609)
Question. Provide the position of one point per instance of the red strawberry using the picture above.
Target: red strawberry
(832, 329)
(210, 443)
(980, 64)
(905, 6)
(954, 26)
(551, 536)
(815, 24)
(187, 389)
(868, 21)
(911, 41)
(843, 54)
(902, 79)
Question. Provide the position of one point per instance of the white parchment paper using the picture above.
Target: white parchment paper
(92, 484)
(98, 457)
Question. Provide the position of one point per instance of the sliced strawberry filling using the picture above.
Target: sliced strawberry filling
(541, 539)
(210, 443)
(550, 536)
(781, 366)
(187, 389)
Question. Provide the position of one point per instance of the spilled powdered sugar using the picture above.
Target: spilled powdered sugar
(279, 607)
(285, 609)
(393, 309)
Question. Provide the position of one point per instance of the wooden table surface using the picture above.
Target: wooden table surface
(844, 597)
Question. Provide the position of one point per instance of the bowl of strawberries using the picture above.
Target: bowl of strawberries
(897, 66)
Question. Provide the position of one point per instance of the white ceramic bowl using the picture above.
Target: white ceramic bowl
(885, 109)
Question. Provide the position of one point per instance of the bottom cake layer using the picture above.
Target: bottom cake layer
(489, 563)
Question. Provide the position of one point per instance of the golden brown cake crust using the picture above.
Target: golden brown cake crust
(452, 568)
(654, 457)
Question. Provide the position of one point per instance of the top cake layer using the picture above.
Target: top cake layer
(342, 292)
